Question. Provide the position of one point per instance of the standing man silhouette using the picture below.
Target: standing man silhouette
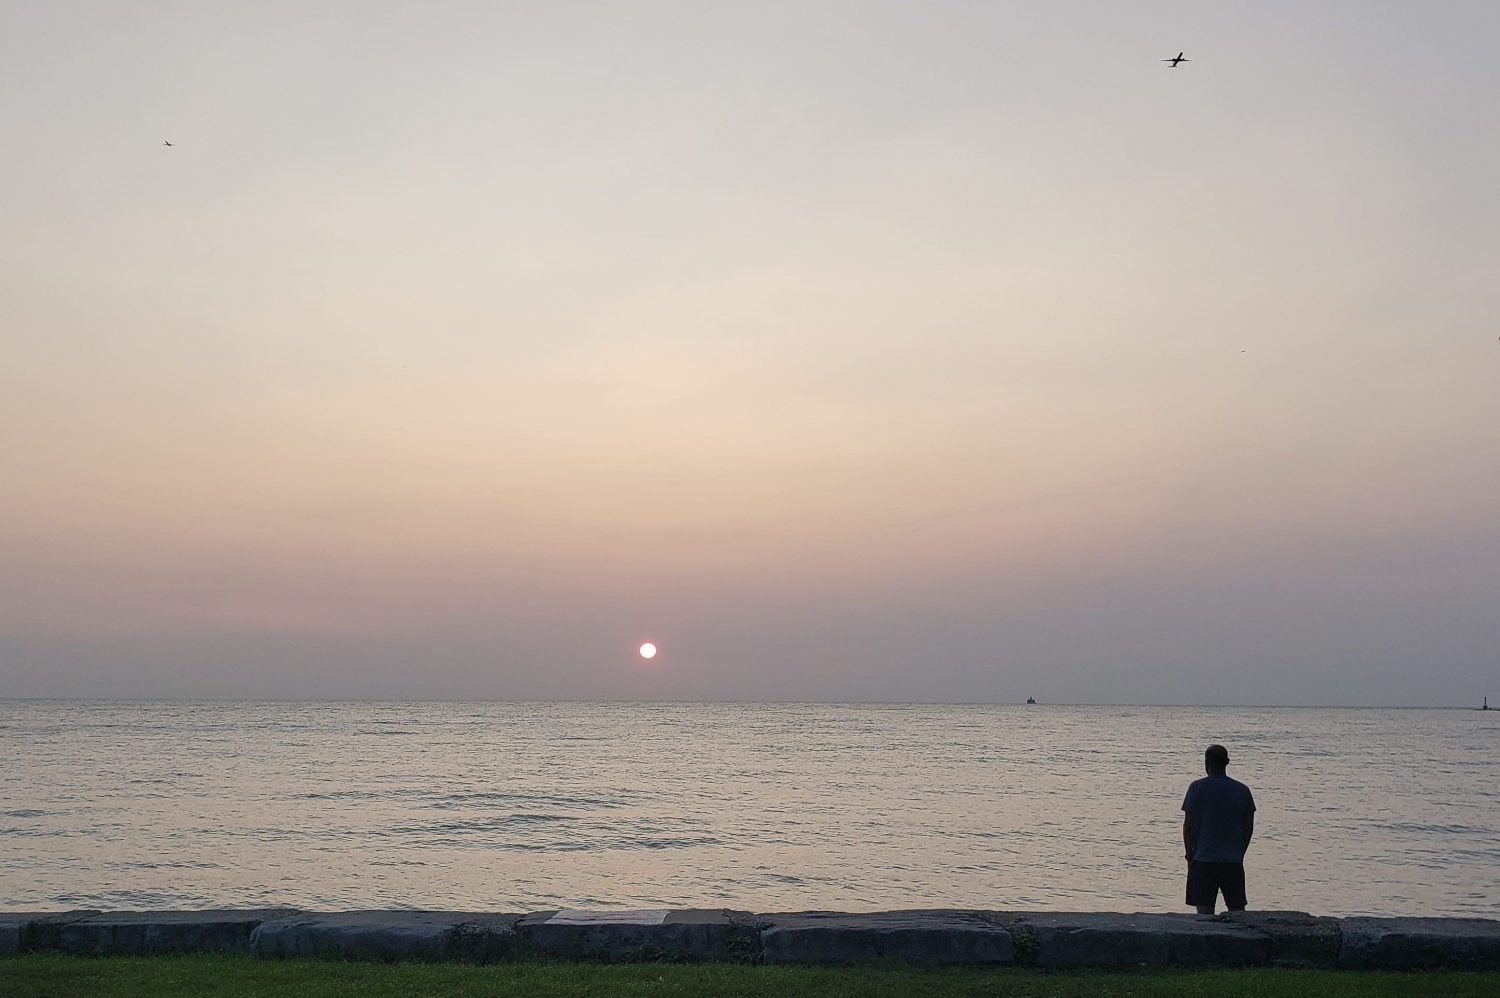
(1218, 820)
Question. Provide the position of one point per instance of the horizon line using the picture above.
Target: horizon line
(727, 701)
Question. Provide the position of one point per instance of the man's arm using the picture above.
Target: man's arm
(1249, 827)
(1189, 834)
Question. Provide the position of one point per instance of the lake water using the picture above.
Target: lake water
(514, 806)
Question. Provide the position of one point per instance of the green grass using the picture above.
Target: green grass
(49, 976)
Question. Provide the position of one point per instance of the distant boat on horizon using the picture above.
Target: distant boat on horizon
(1031, 702)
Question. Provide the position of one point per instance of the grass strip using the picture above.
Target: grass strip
(53, 976)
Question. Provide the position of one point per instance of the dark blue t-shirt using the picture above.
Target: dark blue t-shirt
(1219, 807)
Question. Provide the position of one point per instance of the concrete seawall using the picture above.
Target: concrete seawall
(930, 936)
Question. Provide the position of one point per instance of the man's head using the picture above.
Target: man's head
(1216, 759)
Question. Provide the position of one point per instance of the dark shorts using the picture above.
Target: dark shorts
(1206, 880)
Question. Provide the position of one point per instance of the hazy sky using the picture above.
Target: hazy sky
(876, 350)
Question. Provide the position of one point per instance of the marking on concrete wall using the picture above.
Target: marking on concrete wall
(644, 916)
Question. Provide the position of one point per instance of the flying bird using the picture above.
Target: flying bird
(1179, 57)
(165, 142)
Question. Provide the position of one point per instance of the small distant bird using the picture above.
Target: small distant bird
(165, 142)
(1179, 57)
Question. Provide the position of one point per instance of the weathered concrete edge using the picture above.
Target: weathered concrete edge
(1022, 938)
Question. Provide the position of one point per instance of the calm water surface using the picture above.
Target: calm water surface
(505, 806)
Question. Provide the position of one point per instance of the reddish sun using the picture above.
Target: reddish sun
(648, 650)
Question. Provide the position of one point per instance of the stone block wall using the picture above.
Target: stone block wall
(937, 936)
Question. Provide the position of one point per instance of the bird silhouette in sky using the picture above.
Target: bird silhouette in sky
(1179, 57)
(165, 142)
